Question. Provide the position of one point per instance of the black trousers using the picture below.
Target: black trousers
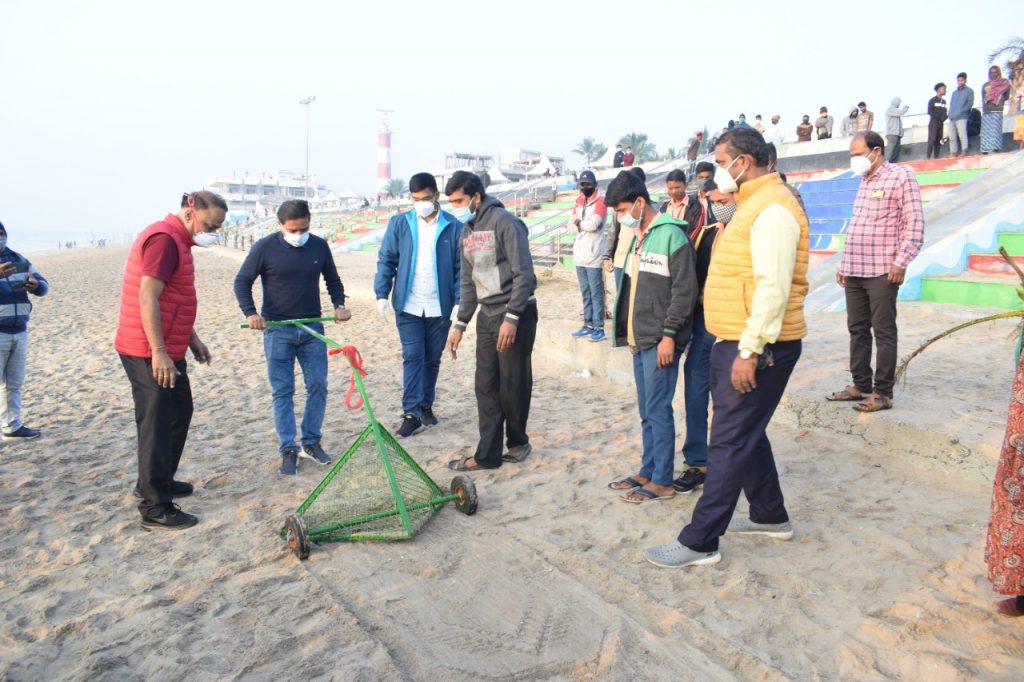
(935, 128)
(871, 307)
(892, 151)
(504, 385)
(740, 456)
(162, 418)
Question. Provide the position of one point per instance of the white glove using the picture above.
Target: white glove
(382, 307)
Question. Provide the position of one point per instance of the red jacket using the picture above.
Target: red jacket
(178, 303)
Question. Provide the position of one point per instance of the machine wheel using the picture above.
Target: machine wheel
(464, 487)
(296, 535)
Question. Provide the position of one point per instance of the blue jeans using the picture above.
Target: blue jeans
(655, 388)
(13, 359)
(423, 340)
(592, 287)
(697, 391)
(282, 346)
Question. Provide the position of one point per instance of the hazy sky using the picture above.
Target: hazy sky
(111, 109)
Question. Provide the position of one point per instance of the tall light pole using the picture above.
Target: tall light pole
(306, 102)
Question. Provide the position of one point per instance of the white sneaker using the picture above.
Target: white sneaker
(779, 531)
(677, 555)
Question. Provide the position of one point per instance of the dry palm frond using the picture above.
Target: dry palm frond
(902, 369)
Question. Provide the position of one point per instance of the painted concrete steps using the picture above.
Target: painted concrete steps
(974, 289)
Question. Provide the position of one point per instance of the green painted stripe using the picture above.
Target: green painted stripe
(1013, 242)
(951, 177)
(967, 292)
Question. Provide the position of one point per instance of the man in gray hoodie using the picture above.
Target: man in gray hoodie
(894, 128)
(497, 276)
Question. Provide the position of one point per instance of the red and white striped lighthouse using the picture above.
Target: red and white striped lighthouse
(383, 151)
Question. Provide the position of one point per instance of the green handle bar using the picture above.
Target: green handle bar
(282, 323)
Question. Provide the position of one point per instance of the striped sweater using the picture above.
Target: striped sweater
(15, 308)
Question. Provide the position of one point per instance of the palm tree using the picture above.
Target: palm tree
(1013, 51)
(642, 149)
(396, 186)
(590, 150)
(670, 154)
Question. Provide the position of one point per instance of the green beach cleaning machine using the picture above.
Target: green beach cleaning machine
(375, 491)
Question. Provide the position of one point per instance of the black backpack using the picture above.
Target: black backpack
(974, 123)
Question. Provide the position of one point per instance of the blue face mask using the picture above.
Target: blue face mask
(464, 213)
(296, 240)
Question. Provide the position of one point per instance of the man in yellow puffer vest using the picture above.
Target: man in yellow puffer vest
(753, 304)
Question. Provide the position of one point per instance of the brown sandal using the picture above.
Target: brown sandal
(849, 393)
(874, 402)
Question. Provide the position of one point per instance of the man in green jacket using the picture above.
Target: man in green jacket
(653, 316)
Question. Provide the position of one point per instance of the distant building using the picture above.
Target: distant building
(258, 196)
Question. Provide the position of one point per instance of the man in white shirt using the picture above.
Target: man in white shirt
(419, 265)
(776, 135)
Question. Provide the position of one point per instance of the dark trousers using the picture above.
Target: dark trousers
(892, 151)
(423, 341)
(935, 127)
(162, 417)
(739, 453)
(871, 307)
(504, 385)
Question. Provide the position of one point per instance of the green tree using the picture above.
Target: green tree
(590, 150)
(670, 154)
(396, 187)
(642, 149)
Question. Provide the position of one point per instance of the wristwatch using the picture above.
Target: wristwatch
(746, 354)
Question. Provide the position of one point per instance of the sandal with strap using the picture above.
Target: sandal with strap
(628, 483)
(464, 464)
(849, 393)
(645, 495)
(873, 402)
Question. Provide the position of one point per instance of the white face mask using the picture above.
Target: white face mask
(627, 220)
(726, 183)
(205, 239)
(296, 240)
(860, 165)
(424, 208)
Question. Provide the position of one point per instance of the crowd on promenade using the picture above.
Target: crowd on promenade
(711, 281)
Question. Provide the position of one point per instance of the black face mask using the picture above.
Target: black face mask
(588, 191)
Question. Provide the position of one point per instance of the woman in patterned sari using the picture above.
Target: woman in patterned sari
(1004, 547)
(993, 95)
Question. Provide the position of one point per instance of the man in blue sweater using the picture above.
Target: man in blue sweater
(18, 279)
(960, 105)
(419, 265)
(289, 264)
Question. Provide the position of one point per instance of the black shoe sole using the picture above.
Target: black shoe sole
(398, 435)
(152, 525)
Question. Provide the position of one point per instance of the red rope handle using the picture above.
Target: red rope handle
(355, 359)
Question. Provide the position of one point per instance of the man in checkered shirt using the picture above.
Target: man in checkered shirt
(884, 236)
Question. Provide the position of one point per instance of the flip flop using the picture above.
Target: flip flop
(849, 393)
(629, 480)
(651, 496)
(873, 403)
(464, 464)
(517, 454)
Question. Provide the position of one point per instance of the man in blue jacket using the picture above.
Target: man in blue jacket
(18, 279)
(419, 266)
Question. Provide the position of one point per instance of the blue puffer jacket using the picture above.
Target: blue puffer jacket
(397, 259)
(15, 308)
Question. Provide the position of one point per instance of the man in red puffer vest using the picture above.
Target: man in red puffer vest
(158, 309)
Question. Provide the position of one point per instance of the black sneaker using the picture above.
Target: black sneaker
(289, 462)
(170, 518)
(690, 480)
(23, 433)
(178, 489)
(316, 453)
(427, 417)
(410, 424)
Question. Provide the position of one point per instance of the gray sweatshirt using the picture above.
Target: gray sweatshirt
(497, 268)
(893, 117)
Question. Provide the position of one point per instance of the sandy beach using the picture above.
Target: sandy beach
(884, 580)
